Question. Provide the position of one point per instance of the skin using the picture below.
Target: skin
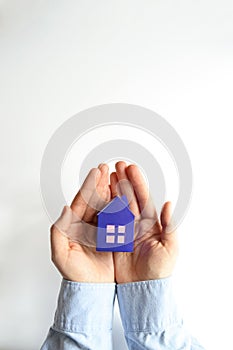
(74, 261)
(155, 250)
(155, 246)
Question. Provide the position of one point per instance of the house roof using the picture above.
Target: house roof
(116, 205)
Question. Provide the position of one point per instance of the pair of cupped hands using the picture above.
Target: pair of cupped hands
(155, 244)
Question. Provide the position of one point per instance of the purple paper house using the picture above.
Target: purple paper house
(115, 232)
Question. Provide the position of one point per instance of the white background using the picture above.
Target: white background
(60, 57)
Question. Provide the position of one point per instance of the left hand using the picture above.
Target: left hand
(155, 250)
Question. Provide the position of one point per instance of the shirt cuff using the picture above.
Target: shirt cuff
(84, 307)
(147, 306)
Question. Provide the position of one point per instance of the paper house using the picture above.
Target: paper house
(115, 231)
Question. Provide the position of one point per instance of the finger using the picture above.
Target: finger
(165, 216)
(82, 198)
(168, 228)
(145, 202)
(103, 185)
(59, 242)
(115, 190)
(100, 195)
(126, 187)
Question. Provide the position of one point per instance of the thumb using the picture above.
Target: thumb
(168, 227)
(165, 216)
(64, 221)
(59, 241)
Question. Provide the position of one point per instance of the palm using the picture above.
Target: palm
(80, 261)
(84, 264)
(150, 260)
(154, 251)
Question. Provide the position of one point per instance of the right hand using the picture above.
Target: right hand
(77, 262)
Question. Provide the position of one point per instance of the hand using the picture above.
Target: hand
(78, 262)
(155, 249)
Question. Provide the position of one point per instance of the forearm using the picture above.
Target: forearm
(150, 317)
(83, 318)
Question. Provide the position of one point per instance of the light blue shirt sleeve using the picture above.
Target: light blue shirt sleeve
(150, 317)
(83, 319)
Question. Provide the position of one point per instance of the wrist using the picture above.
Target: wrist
(143, 278)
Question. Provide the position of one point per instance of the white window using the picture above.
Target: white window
(121, 229)
(110, 229)
(110, 239)
(121, 239)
